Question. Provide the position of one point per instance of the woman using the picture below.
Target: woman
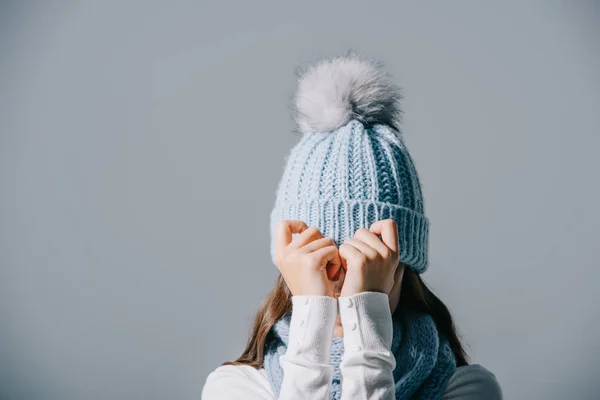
(350, 317)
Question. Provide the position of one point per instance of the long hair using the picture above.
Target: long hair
(414, 296)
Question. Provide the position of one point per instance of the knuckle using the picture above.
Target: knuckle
(361, 231)
(312, 230)
(301, 223)
(361, 267)
(320, 242)
(362, 259)
(311, 259)
(386, 254)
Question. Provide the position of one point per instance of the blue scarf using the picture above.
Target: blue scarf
(424, 359)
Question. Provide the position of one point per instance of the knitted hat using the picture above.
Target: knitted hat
(351, 167)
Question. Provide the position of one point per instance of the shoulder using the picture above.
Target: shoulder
(472, 382)
(236, 381)
(236, 371)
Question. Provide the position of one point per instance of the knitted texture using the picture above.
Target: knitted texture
(424, 358)
(350, 178)
(360, 171)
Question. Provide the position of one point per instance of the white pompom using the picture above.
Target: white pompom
(336, 90)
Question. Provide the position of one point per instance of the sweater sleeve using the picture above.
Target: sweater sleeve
(232, 382)
(307, 373)
(368, 363)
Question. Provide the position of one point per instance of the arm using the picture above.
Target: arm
(368, 363)
(307, 263)
(232, 382)
(307, 372)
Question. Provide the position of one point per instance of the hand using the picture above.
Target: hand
(309, 261)
(370, 263)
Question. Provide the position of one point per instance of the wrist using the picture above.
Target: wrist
(347, 292)
(367, 321)
(311, 326)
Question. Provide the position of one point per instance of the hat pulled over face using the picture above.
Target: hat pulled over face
(351, 167)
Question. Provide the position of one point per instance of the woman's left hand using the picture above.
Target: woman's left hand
(370, 263)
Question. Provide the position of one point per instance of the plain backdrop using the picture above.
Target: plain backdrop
(141, 144)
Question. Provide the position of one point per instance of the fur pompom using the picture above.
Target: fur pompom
(336, 90)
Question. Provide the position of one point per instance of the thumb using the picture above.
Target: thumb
(334, 266)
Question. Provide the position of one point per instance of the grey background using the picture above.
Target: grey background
(141, 145)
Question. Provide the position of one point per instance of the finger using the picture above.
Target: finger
(349, 253)
(372, 240)
(335, 266)
(307, 236)
(364, 248)
(336, 277)
(317, 244)
(388, 230)
(325, 255)
(284, 231)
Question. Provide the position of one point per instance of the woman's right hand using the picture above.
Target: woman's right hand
(309, 261)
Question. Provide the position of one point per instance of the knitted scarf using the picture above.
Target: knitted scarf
(424, 359)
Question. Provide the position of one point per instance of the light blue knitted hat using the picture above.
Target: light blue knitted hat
(351, 167)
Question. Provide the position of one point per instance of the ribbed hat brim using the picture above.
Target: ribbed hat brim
(339, 219)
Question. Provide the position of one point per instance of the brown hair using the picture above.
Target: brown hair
(415, 296)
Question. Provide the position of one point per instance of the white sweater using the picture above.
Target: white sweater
(367, 363)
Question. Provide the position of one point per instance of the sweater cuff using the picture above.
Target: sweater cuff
(311, 327)
(367, 321)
